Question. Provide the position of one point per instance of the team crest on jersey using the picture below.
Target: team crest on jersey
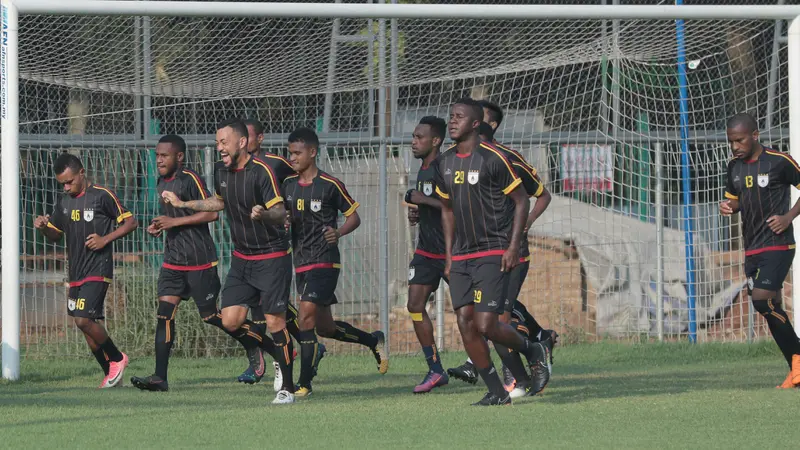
(316, 205)
(763, 179)
(88, 215)
(410, 273)
(472, 177)
(71, 304)
(427, 189)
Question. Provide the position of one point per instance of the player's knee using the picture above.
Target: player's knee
(83, 323)
(765, 307)
(166, 310)
(230, 323)
(306, 323)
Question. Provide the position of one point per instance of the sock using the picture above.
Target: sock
(308, 356)
(782, 331)
(432, 358)
(291, 322)
(283, 351)
(492, 380)
(247, 334)
(348, 333)
(111, 350)
(165, 336)
(102, 359)
(469, 361)
(266, 343)
(512, 360)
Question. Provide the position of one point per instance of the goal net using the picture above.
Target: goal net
(594, 105)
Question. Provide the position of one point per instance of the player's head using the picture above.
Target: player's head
(742, 131)
(303, 147)
(255, 135)
(465, 117)
(70, 173)
(428, 135)
(485, 132)
(232, 141)
(170, 154)
(492, 113)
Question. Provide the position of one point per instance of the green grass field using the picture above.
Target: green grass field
(600, 396)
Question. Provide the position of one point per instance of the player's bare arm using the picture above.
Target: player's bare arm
(211, 204)
(41, 222)
(729, 207)
(350, 224)
(521, 205)
(166, 222)
(779, 223)
(96, 242)
(449, 230)
(276, 215)
(542, 202)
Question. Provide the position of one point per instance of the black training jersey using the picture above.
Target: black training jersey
(280, 166)
(188, 247)
(530, 182)
(96, 210)
(315, 206)
(477, 185)
(241, 190)
(762, 189)
(430, 238)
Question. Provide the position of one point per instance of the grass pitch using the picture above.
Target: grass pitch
(600, 396)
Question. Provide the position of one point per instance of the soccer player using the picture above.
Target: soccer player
(190, 264)
(260, 273)
(92, 218)
(482, 235)
(282, 169)
(426, 269)
(758, 186)
(314, 199)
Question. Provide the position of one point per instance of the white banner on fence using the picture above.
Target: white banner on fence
(587, 168)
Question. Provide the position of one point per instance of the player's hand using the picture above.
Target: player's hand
(96, 242)
(163, 222)
(153, 230)
(415, 197)
(40, 223)
(725, 208)
(171, 199)
(257, 211)
(331, 235)
(413, 215)
(779, 224)
(510, 259)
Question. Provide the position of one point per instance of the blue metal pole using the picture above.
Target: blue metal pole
(688, 207)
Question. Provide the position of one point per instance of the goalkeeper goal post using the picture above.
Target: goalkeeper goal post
(620, 107)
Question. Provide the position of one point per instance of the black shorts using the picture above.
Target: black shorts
(318, 286)
(515, 281)
(253, 283)
(201, 285)
(426, 271)
(87, 300)
(767, 270)
(480, 282)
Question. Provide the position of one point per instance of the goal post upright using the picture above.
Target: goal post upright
(9, 197)
(793, 51)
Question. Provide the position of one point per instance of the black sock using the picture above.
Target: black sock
(266, 343)
(512, 360)
(291, 322)
(165, 336)
(250, 335)
(283, 353)
(111, 350)
(783, 332)
(102, 359)
(348, 333)
(492, 380)
(432, 358)
(308, 356)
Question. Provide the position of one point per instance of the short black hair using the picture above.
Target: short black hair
(67, 161)
(495, 111)
(236, 124)
(485, 129)
(258, 127)
(304, 135)
(437, 124)
(477, 109)
(175, 140)
(745, 119)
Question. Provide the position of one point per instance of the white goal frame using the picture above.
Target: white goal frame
(11, 9)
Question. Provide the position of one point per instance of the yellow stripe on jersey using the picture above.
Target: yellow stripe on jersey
(539, 191)
(272, 181)
(197, 182)
(531, 174)
(442, 194)
(517, 154)
(50, 225)
(503, 158)
(124, 216)
(278, 157)
(353, 204)
(274, 202)
(116, 201)
(784, 156)
(512, 186)
(291, 176)
(731, 196)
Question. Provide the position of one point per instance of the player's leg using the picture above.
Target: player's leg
(771, 269)
(315, 288)
(99, 354)
(424, 275)
(86, 306)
